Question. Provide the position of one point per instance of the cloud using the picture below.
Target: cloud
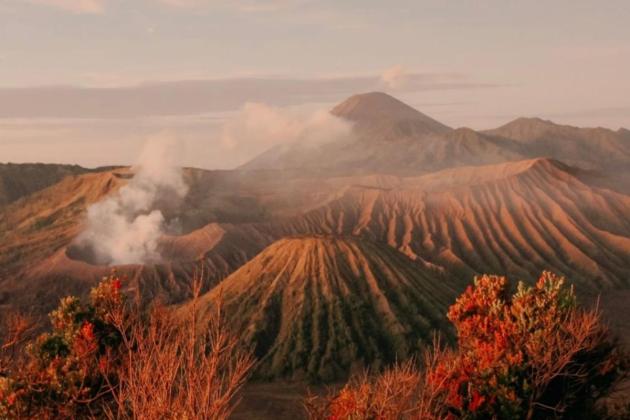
(250, 6)
(190, 97)
(395, 77)
(184, 3)
(126, 227)
(75, 6)
(246, 6)
(258, 127)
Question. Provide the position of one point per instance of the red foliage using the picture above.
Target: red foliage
(533, 354)
(66, 373)
(104, 360)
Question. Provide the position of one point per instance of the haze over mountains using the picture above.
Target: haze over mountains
(392, 221)
(391, 137)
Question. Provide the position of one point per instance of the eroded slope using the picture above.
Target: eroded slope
(321, 306)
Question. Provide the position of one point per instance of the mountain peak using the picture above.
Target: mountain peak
(530, 123)
(381, 106)
(528, 128)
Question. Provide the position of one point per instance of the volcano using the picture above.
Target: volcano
(317, 307)
(378, 108)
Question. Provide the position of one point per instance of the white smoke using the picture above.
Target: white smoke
(257, 127)
(126, 227)
(395, 77)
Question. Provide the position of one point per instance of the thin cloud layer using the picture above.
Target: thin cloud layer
(207, 96)
(100, 6)
(242, 5)
(74, 6)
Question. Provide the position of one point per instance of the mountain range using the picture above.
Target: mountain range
(312, 246)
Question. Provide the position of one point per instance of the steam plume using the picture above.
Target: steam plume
(125, 228)
(395, 77)
(257, 127)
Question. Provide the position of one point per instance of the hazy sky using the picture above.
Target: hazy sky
(473, 63)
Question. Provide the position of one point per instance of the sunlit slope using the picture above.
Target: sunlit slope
(20, 180)
(45, 221)
(516, 218)
(320, 306)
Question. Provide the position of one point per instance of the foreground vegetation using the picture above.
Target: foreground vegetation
(534, 354)
(105, 360)
(531, 354)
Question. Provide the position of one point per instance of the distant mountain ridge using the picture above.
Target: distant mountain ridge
(391, 137)
(589, 148)
(18, 180)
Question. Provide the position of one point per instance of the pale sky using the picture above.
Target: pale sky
(87, 81)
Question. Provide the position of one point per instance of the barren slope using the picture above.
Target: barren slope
(51, 217)
(20, 180)
(318, 307)
(41, 225)
(38, 262)
(515, 218)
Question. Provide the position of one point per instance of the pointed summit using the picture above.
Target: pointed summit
(378, 106)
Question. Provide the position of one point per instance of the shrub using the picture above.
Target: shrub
(65, 373)
(533, 354)
(401, 391)
(171, 371)
(103, 359)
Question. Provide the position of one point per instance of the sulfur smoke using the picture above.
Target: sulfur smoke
(258, 127)
(126, 227)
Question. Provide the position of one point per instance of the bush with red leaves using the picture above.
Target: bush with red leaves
(532, 354)
(68, 372)
(529, 355)
(105, 359)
